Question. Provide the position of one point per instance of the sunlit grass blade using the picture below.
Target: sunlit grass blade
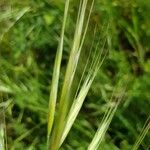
(86, 27)
(142, 135)
(56, 72)
(5, 89)
(2, 130)
(103, 127)
(16, 14)
(5, 104)
(3, 135)
(27, 133)
(9, 15)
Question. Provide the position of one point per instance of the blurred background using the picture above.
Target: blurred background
(29, 35)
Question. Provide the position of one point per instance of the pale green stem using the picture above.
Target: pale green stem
(142, 135)
(56, 72)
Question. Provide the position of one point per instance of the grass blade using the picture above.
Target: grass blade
(99, 135)
(56, 72)
(3, 135)
(142, 135)
(16, 14)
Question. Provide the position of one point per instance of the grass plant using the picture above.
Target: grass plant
(91, 57)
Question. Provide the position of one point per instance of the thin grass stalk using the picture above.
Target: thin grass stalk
(56, 72)
(26, 134)
(86, 27)
(142, 135)
(111, 100)
(105, 123)
(86, 64)
(70, 71)
(97, 59)
(2, 130)
(90, 47)
(3, 134)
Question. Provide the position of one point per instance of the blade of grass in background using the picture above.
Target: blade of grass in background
(3, 136)
(11, 14)
(2, 130)
(24, 135)
(109, 114)
(142, 135)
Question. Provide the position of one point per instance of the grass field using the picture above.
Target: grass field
(74, 75)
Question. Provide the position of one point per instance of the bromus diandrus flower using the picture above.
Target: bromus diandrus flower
(60, 124)
(60, 120)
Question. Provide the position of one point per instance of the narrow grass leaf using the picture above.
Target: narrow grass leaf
(3, 135)
(18, 15)
(142, 135)
(99, 135)
(56, 72)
